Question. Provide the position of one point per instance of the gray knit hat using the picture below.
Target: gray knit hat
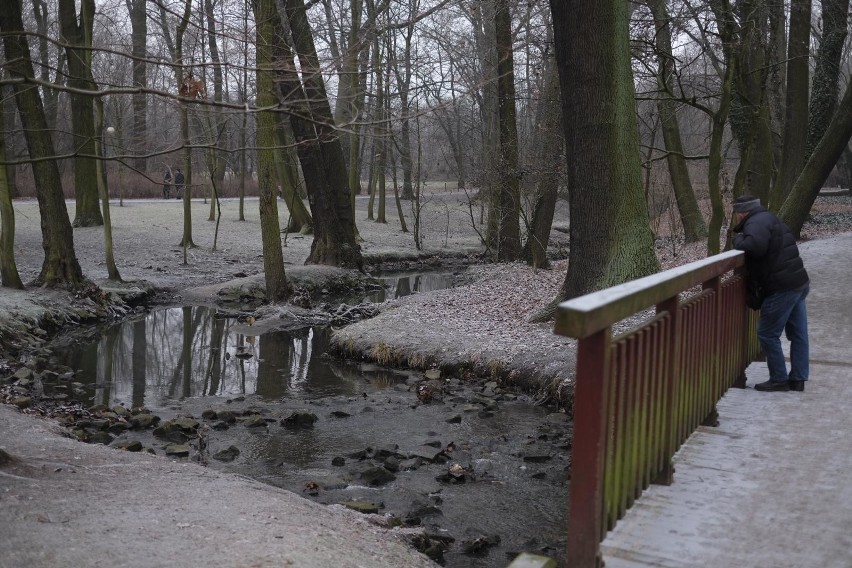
(746, 204)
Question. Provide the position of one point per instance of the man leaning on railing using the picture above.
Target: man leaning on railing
(778, 285)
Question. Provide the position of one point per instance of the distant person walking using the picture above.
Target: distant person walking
(167, 183)
(778, 285)
(178, 183)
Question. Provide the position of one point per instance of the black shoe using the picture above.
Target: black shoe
(773, 386)
(798, 386)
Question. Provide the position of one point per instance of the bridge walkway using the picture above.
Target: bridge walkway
(771, 486)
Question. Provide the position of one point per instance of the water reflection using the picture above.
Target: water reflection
(179, 353)
(405, 284)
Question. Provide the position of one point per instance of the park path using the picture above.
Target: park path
(771, 486)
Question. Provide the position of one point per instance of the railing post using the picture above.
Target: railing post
(715, 284)
(670, 388)
(740, 382)
(585, 518)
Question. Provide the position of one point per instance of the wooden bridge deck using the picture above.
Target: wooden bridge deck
(771, 486)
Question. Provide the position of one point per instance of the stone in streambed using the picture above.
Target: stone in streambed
(427, 453)
(144, 421)
(299, 420)
(22, 401)
(186, 424)
(255, 421)
(479, 545)
(366, 507)
(170, 431)
(410, 464)
(128, 445)
(226, 416)
(179, 450)
(229, 454)
(119, 427)
(120, 411)
(376, 476)
(100, 437)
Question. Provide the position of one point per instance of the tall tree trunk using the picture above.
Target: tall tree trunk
(827, 72)
(51, 96)
(9, 276)
(139, 39)
(733, 59)
(103, 192)
(403, 77)
(380, 140)
(244, 127)
(777, 78)
(819, 166)
(694, 228)
(288, 177)
(549, 142)
(611, 239)
(321, 153)
(221, 126)
(269, 35)
(750, 116)
(486, 51)
(509, 199)
(60, 265)
(352, 77)
(796, 108)
(176, 51)
(78, 42)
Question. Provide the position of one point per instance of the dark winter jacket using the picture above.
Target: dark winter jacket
(772, 257)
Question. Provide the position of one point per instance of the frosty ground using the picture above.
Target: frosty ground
(485, 322)
(56, 489)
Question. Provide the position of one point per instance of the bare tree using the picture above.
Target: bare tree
(796, 107)
(8, 269)
(269, 33)
(60, 267)
(824, 93)
(78, 47)
(139, 39)
(177, 55)
(545, 169)
(693, 223)
(611, 240)
(820, 164)
(508, 201)
(320, 153)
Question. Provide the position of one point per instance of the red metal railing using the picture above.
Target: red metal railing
(639, 395)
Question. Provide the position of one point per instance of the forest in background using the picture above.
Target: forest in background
(625, 109)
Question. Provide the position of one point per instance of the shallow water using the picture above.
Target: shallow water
(183, 361)
(399, 284)
(179, 353)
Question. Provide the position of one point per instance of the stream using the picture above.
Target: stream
(481, 469)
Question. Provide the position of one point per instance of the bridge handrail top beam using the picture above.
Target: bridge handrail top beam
(585, 315)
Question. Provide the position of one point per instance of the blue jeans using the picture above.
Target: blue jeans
(785, 312)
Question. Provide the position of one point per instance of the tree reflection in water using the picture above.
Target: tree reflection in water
(178, 353)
